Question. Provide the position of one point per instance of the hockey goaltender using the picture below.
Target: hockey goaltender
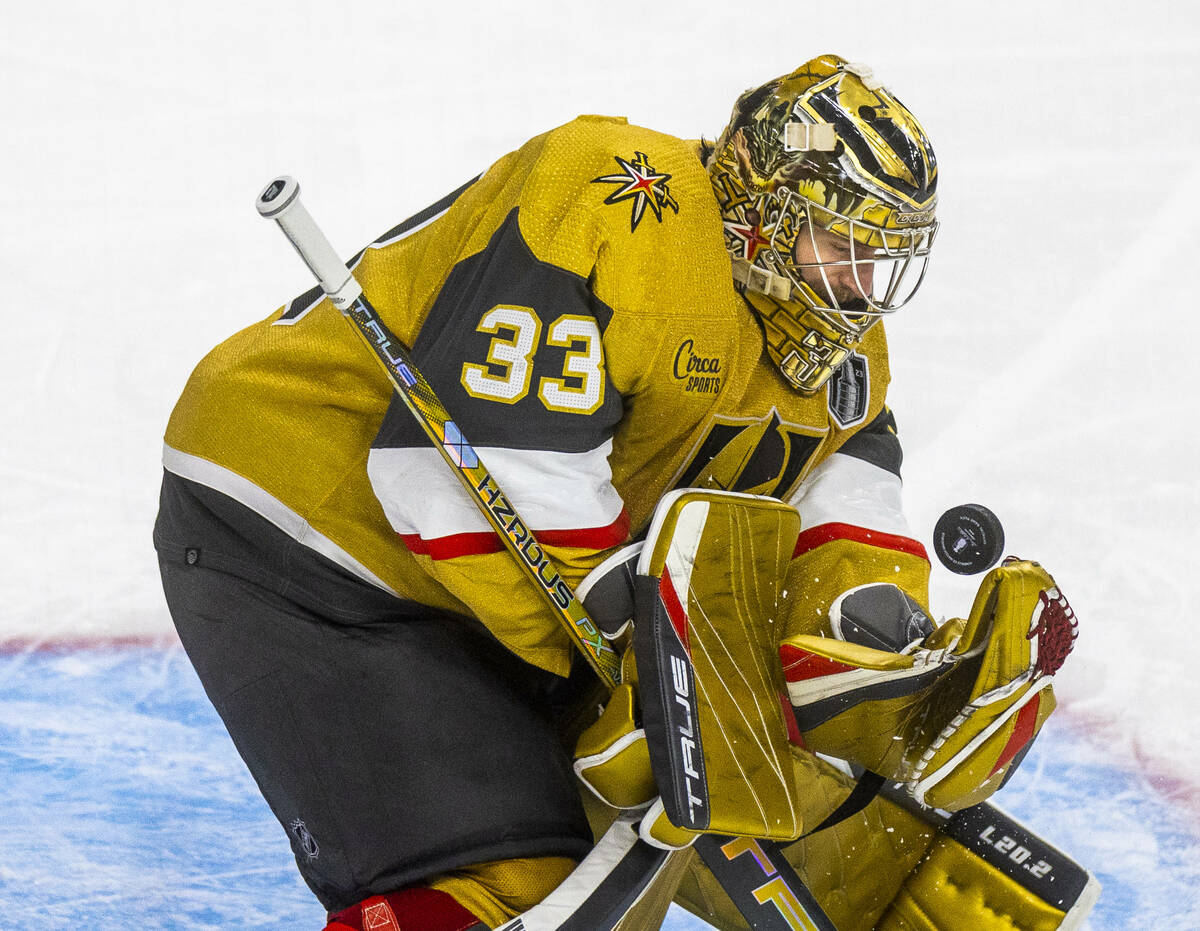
(670, 362)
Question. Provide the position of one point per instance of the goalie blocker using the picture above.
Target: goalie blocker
(708, 593)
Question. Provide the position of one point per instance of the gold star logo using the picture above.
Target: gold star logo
(641, 184)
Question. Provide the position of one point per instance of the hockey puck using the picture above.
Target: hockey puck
(968, 539)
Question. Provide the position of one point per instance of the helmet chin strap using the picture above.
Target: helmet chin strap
(762, 280)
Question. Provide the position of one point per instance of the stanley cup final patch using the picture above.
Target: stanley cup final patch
(849, 391)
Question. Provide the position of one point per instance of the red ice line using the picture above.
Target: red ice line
(15, 646)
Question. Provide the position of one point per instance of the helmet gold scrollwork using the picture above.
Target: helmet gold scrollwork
(828, 190)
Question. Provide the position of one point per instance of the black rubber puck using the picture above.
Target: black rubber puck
(968, 539)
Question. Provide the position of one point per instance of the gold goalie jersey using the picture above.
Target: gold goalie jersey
(574, 310)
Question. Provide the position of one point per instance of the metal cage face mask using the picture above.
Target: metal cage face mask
(851, 267)
(827, 186)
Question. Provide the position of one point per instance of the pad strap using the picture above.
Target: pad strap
(860, 797)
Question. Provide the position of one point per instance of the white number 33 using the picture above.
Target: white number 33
(509, 368)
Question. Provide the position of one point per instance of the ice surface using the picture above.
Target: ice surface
(1045, 370)
(124, 797)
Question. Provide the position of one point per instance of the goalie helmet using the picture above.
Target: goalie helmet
(827, 188)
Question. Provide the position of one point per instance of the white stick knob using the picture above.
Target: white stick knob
(280, 201)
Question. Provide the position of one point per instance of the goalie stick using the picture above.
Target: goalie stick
(602, 890)
(636, 864)
(280, 201)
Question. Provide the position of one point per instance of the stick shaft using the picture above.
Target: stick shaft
(280, 201)
(791, 905)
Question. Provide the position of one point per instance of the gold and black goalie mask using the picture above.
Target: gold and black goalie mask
(827, 188)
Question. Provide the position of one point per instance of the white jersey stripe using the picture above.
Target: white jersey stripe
(846, 490)
(551, 490)
(245, 492)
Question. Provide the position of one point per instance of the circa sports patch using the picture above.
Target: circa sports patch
(696, 369)
(850, 391)
(643, 185)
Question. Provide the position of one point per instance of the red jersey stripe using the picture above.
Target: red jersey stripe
(484, 542)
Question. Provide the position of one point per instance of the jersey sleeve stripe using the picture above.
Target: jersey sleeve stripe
(487, 542)
(423, 218)
(847, 490)
(877, 443)
(552, 491)
(247, 493)
(460, 544)
(813, 537)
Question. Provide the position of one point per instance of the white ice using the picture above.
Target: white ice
(1046, 369)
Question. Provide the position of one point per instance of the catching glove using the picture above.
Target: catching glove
(949, 712)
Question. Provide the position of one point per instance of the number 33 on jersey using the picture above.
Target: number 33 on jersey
(580, 390)
(592, 362)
